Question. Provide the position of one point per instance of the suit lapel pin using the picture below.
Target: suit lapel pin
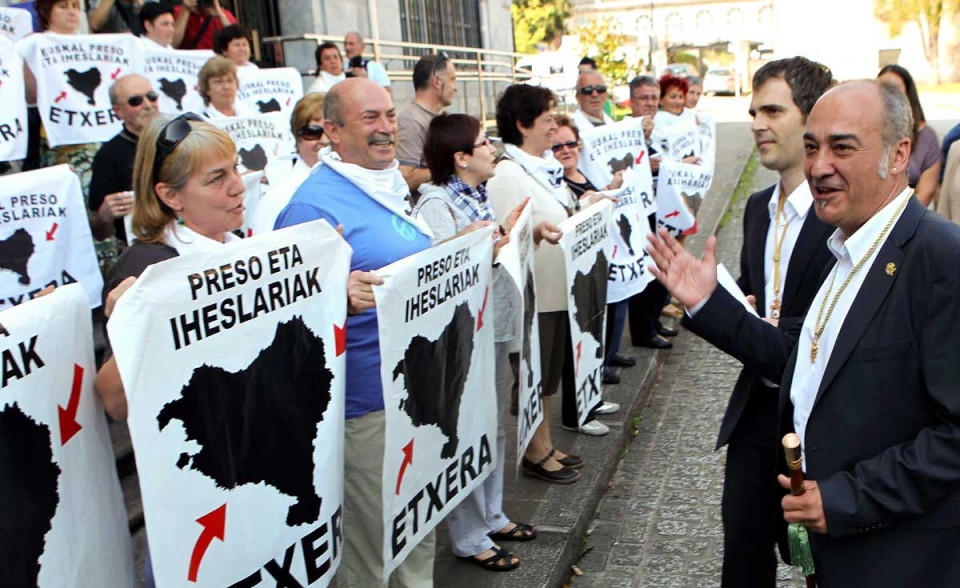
(891, 268)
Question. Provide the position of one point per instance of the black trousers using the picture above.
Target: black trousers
(644, 311)
(753, 522)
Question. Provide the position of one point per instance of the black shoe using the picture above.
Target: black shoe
(609, 377)
(655, 342)
(564, 475)
(620, 361)
(667, 331)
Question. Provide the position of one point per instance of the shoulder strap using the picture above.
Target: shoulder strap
(203, 29)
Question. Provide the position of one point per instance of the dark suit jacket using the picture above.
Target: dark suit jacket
(803, 278)
(883, 437)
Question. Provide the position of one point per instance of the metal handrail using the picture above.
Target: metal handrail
(482, 65)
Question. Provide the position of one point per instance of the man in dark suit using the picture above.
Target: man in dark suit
(781, 265)
(870, 378)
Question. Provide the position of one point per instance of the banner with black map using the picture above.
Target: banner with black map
(586, 237)
(45, 236)
(260, 139)
(437, 366)
(233, 363)
(274, 89)
(708, 140)
(15, 24)
(13, 115)
(676, 138)
(516, 257)
(63, 520)
(681, 189)
(174, 75)
(74, 74)
(629, 227)
(611, 148)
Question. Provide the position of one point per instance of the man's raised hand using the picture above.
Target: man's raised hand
(689, 279)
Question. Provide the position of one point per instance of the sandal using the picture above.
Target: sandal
(500, 561)
(574, 462)
(520, 532)
(564, 475)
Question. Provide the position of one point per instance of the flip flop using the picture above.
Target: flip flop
(493, 563)
(517, 533)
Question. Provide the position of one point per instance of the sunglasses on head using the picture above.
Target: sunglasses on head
(569, 145)
(171, 135)
(137, 100)
(310, 132)
(587, 90)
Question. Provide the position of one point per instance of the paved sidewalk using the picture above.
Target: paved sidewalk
(659, 523)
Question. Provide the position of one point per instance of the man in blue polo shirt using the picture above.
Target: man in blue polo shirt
(361, 188)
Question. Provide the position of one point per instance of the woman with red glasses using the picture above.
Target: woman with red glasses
(285, 174)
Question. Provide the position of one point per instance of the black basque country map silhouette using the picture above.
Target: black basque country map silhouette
(529, 314)
(254, 159)
(590, 296)
(175, 90)
(434, 375)
(623, 225)
(85, 82)
(259, 424)
(29, 499)
(15, 253)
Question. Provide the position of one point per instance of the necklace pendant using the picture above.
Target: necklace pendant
(775, 310)
(813, 352)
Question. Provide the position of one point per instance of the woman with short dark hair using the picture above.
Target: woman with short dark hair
(329, 68)
(236, 43)
(925, 156)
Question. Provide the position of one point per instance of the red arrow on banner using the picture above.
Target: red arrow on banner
(340, 338)
(640, 157)
(482, 308)
(115, 74)
(68, 416)
(288, 101)
(214, 527)
(407, 460)
(672, 214)
(577, 365)
(52, 230)
(614, 251)
(62, 96)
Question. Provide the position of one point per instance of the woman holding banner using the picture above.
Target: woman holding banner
(528, 169)
(189, 198)
(456, 148)
(218, 85)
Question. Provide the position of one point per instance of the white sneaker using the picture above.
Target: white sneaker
(607, 408)
(595, 428)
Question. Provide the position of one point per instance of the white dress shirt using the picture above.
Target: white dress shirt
(849, 251)
(795, 211)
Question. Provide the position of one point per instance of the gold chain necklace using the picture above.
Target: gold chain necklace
(821, 323)
(778, 246)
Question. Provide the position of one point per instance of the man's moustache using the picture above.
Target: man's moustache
(381, 138)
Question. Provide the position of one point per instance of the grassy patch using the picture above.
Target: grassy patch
(636, 425)
(744, 187)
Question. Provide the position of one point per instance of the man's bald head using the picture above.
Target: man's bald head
(361, 122)
(130, 97)
(589, 96)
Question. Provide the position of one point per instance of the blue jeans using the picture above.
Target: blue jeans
(616, 322)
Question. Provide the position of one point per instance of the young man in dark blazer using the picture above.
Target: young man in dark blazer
(871, 378)
(781, 266)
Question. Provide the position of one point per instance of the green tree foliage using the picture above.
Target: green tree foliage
(538, 21)
(927, 14)
(603, 41)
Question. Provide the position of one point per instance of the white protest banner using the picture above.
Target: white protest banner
(252, 194)
(260, 139)
(45, 236)
(174, 76)
(233, 365)
(516, 257)
(437, 365)
(274, 89)
(708, 140)
(680, 191)
(676, 137)
(629, 227)
(15, 24)
(13, 115)
(586, 235)
(611, 148)
(74, 74)
(64, 524)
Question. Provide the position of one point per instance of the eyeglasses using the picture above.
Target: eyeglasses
(137, 100)
(171, 135)
(569, 145)
(587, 90)
(310, 132)
(484, 143)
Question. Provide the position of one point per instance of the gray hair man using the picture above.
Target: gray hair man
(869, 378)
(591, 96)
(354, 46)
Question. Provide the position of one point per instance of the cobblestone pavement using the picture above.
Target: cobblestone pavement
(659, 521)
